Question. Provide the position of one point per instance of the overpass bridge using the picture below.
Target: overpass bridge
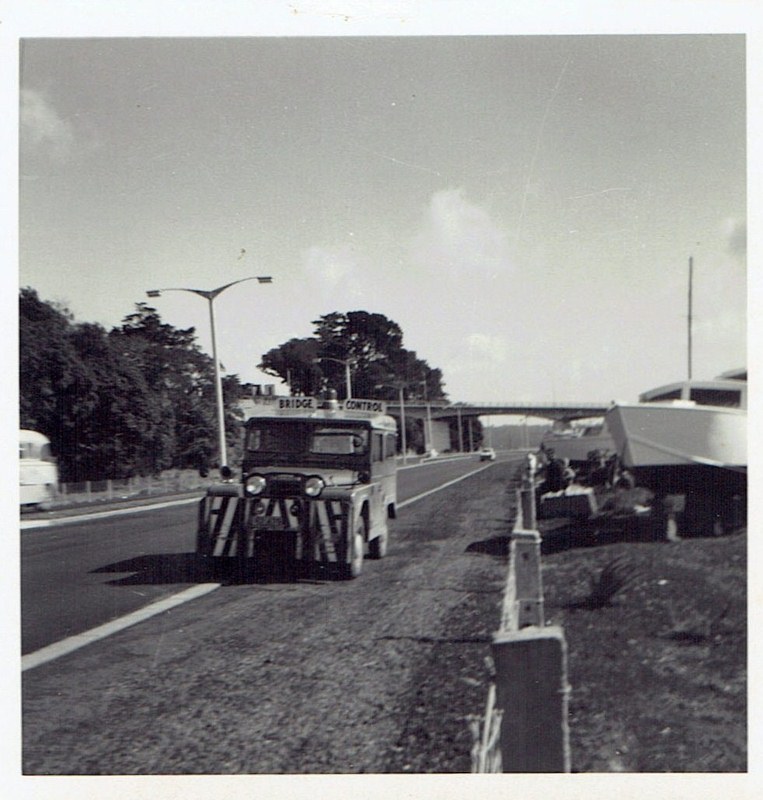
(448, 411)
(438, 417)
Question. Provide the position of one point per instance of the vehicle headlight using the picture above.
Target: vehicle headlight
(255, 484)
(314, 485)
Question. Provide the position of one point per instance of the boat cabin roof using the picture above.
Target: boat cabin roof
(720, 392)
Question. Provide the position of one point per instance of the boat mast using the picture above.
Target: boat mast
(691, 271)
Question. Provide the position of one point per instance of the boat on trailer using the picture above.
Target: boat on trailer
(578, 441)
(688, 438)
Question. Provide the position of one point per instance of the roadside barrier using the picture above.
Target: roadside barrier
(525, 727)
(137, 486)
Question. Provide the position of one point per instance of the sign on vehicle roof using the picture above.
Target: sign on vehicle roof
(352, 408)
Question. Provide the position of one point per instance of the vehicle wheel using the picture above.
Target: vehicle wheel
(377, 548)
(357, 543)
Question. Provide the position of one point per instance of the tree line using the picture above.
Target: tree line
(140, 398)
(134, 400)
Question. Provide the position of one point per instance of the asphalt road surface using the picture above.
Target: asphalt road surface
(79, 575)
(375, 675)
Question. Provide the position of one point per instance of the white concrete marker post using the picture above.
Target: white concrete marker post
(532, 691)
(530, 659)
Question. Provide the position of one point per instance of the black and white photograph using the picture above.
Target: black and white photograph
(382, 397)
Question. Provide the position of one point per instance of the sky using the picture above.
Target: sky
(523, 206)
(519, 185)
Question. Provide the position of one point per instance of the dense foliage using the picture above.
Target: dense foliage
(134, 400)
(372, 345)
(139, 399)
(380, 367)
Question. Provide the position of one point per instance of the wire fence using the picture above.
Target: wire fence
(134, 487)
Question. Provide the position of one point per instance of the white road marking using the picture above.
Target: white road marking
(72, 643)
(443, 486)
(49, 523)
(430, 462)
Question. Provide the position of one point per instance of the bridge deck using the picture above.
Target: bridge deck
(555, 411)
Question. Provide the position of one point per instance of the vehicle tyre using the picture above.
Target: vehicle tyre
(377, 548)
(356, 544)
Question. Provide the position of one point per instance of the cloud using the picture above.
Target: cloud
(735, 231)
(329, 267)
(42, 126)
(485, 347)
(335, 276)
(458, 236)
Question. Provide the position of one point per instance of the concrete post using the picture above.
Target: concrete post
(523, 596)
(532, 691)
(530, 658)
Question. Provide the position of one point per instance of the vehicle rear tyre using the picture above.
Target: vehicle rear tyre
(377, 548)
(356, 544)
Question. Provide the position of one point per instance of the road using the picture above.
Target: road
(316, 676)
(79, 575)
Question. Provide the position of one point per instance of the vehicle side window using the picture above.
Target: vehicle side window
(377, 447)
(390, 445)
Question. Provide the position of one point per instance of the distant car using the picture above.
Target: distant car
(487, 454)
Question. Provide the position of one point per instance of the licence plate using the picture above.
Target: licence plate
(270, 524)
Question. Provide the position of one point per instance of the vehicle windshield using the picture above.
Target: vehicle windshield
(292, 439)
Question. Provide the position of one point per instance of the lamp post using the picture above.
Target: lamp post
(210, 296)
(347, 377)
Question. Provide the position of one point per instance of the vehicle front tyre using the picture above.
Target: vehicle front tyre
(356, 544)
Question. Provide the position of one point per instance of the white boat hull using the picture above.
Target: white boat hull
(678, 434)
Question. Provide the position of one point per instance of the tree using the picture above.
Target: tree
(371, 343)
(118, 434)
(135, 400)
(182, 379)
(57, 388)
(295, 363)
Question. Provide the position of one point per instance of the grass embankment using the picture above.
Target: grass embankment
(658, 673)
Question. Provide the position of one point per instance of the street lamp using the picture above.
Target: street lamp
(209, 296)
(346, 362)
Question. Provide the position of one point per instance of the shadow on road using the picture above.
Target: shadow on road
(165, 568)
(497, 546)
(558, 535)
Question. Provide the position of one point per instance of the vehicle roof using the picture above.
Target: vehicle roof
(379, 421)
(313, 409)
(32, 436)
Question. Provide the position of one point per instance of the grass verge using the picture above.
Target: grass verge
(658, 672)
